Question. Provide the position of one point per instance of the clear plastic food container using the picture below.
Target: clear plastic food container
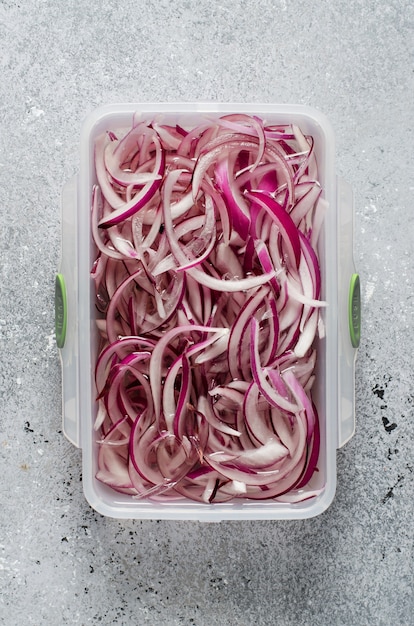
(333, 391)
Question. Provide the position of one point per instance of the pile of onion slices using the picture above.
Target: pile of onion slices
(208, 297)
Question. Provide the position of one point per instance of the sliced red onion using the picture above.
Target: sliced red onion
(205, 408)
(260, 375)
(158, 354)
(103, 246)
(208, 285)
(301, 399)
(199, 275)
(284, 222)
(236, 206)
(122, 177)
(306, 203)
(123, 210)
(236, 356)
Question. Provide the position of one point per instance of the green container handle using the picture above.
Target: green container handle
(354, 310)
(61, 310)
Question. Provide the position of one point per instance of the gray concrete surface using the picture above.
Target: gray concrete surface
(61, 563)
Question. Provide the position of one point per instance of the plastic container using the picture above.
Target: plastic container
(75, 321)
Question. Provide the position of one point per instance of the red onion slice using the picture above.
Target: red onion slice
(123, 210)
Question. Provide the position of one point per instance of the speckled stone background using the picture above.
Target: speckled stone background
(60, 562)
